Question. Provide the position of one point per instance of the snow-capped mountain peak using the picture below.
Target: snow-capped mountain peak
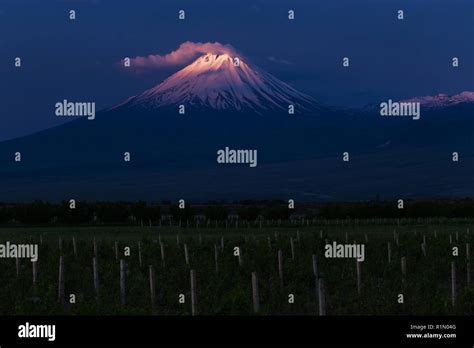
(223, 82)
(443, 100)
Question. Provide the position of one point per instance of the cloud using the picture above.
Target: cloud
(278, 60)
(183, 55)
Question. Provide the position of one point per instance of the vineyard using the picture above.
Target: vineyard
(279, 269)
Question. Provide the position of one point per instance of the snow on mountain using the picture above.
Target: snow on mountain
(214, 81)
(443, 100)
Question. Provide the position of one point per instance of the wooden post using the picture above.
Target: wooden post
(280, 265)
(404, 268)
(276, 236)
(193, 293)
(321, 296)
(424, 246)
(177, 236)
(61, 281)
(74, 247)
(389, 252)
(122, 282)
(116, 250)
(269, 243)
(140, 253)
(359, 281)
(216, 255)
(450, 239)
(240, 256)
(292, 245)
(186, 255)
(162, 251)
(298, 236)
(17, 263)
(315, 266)
(95, 247)
(35, 273)
(468, 272)
(255, 295)
(468, 254)
(95, 267)
(453, 283)
(151, 273)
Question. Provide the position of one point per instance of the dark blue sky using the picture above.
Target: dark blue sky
(76, 60)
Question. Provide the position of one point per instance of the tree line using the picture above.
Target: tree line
(40, 212)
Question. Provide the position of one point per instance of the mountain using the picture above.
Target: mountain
(241, 107)
(443, 100)
(439, 101)
(221, 82)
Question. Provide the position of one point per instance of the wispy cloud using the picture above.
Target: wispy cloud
(279, 60)
(184, 54)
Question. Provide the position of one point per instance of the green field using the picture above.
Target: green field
(426, 287)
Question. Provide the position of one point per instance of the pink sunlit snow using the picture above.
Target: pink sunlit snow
(443, 100)
(215, 81)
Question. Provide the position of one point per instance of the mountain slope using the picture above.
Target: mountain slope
(213, 81)
(174, 156)
(443, 100)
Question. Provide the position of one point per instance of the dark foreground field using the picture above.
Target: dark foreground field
(435, 282)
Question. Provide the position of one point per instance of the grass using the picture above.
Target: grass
(228, 292)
